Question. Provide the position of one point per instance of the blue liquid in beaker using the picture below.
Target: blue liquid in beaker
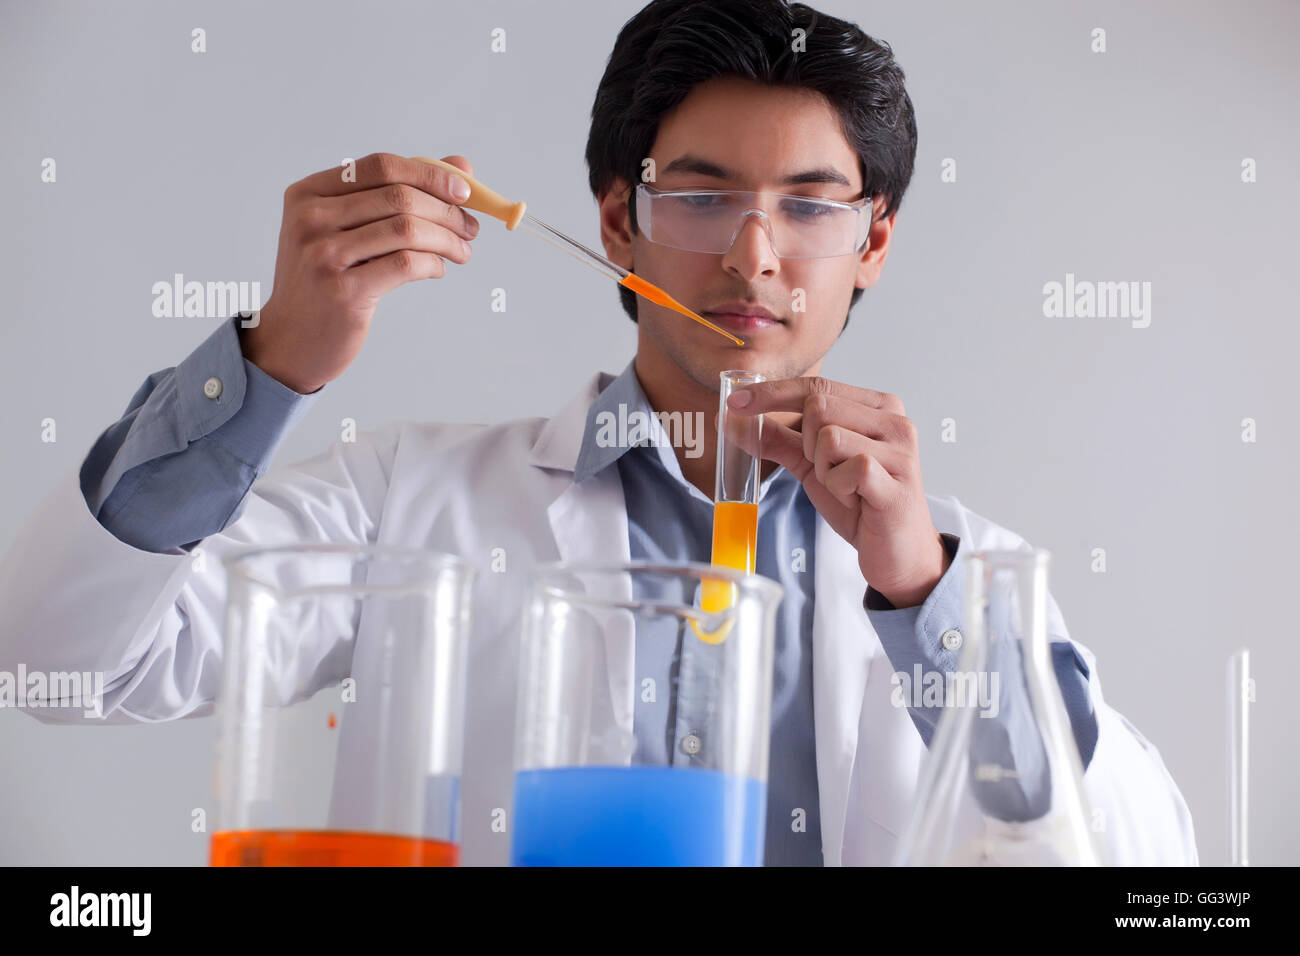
(637, 816)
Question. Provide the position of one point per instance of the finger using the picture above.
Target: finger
(382, 202)
(460, 162)
(863, 477)
(376, 239)
(822, 410)
(380, 276)
(383, 169)
(782, 444)
(789, 394)
(834, 444)
(778, 443)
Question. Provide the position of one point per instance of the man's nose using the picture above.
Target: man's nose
(751, 255)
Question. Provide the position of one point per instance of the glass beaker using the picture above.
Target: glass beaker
(1002, 784)
(592, 789)
(341, 714)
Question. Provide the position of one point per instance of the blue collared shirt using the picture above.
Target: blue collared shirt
(178, 464)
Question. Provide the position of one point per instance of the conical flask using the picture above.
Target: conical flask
(1002, 784)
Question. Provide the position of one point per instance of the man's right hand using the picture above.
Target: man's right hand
(342, 246)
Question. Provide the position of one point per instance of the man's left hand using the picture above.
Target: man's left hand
(856, 456)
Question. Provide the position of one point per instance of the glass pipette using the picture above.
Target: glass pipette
(483, 199)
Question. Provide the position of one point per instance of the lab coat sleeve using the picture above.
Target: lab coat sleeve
(1139, 813)
(74, 598)
(1138, 810)
(912, 638)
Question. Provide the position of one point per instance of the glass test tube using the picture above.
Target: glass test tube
(1239, 698)
(735, 497)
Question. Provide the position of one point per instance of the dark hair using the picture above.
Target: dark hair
(672, 45)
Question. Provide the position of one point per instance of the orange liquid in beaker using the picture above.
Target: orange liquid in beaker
(327, 848)
(735, 537)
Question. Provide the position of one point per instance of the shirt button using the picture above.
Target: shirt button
(951, 639)
(691, 744)
(212, 387)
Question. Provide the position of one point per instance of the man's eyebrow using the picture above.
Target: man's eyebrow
(703, 167)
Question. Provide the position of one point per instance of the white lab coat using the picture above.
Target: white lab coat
(74, 598)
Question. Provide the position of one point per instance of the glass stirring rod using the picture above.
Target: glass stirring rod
(483, 199)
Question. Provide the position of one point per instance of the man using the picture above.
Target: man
(800, 130)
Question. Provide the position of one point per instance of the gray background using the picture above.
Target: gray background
(1077, 433)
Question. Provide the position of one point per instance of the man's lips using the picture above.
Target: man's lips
(736, 322)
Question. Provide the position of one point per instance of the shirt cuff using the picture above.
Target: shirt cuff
(269, 411)
(900, 628)
(875, 601)
(167, 414)
(185, 466)
(210, 382)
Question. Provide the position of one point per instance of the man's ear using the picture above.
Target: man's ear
(616, 223)
(876, 250)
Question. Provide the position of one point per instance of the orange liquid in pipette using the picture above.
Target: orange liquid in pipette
(658, 296)
(735, 537)
(327, 848)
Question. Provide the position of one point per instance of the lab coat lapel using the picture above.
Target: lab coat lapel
(842, 646)
(589, 522)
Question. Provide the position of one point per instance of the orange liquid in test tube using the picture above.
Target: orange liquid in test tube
(735, 532)
(735, 536)
(327, 848)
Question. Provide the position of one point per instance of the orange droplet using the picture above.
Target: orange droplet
(333, 722)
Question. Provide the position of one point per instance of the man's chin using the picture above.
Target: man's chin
(708, 374)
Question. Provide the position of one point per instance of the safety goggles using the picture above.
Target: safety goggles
(709, 220)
